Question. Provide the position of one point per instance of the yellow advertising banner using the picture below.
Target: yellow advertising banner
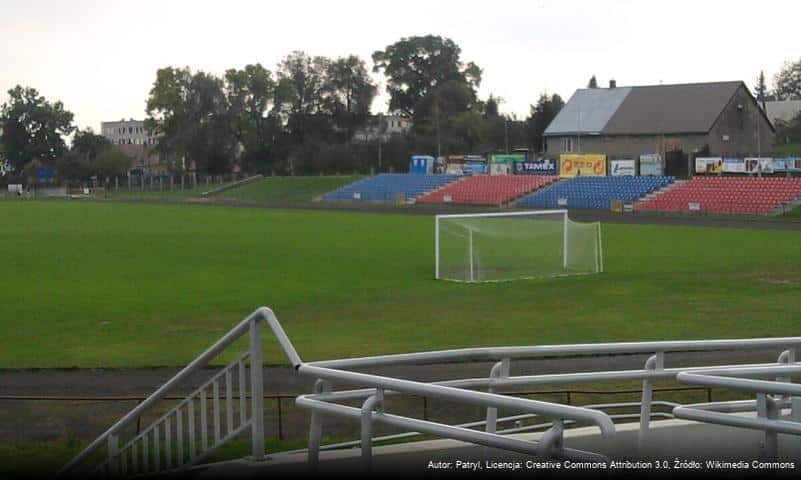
(587, 165)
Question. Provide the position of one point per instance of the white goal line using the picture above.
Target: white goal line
(501, 214)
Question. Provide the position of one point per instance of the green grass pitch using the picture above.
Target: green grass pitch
(125, 285)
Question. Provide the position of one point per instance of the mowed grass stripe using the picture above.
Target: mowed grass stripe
(129, 285)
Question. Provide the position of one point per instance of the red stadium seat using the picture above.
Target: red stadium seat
(752, 196)
(487, 190)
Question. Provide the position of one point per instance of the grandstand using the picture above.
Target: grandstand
(388, 187)
(594, 192)
(487, 190)
(751, 196)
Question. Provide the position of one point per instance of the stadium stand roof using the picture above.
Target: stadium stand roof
(652, 109)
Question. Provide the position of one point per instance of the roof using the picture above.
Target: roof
(783, 110)
(587, 111)
(652, 109)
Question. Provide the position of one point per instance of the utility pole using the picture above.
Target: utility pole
(380, 138)
(506, 132)
(436, 119)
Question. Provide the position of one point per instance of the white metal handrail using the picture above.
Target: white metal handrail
(117, 459)
(771, 397)
(134, 457)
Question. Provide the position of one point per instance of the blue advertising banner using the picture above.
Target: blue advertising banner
(540, 166)
(474, 168)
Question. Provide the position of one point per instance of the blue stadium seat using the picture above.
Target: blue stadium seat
(386, 187)
(594, 192)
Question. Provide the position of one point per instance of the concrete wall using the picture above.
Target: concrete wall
(629, 146)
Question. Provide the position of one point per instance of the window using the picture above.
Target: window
(567, 145)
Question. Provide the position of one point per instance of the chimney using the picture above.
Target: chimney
(612, 83)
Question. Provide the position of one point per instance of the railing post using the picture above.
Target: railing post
(767, 408)
(499, 370)
(257, 391)
(551, 440)
(316, 427)
(113, 455)
(654, 362)
(373, 402)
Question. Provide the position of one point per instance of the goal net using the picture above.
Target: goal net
(486, 247)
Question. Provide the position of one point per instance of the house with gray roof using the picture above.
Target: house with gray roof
(720, 118)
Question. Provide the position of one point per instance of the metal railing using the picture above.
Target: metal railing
(371, 390)
(771, 397)
(138, 455)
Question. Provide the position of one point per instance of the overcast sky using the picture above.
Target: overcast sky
(100, 57)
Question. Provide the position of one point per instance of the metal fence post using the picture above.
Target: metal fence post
(767, 408)
(113, 455)
(373, 402)
(499, 370)
(316, 427)
(654, 362)
(257, 391)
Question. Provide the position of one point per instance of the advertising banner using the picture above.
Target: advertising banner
(779, 164)
(590, 165)
(474, 168)
(509, 159)
(758, 164)
(455, 169)
(500, 169)
(540, 166)
(793, 164)
(734, 165)
(623, 168)
(651, 165)
(708, 165)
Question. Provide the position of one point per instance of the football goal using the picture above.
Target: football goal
(487, 247)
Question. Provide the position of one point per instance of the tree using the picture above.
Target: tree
(787, 83)
(34, 128)
(304, 77)
(255, 104)
(190, 113)
(491, 106)
(761, 89)
(593, 83)
(417, 67)
(542, 114)
(87, 145)
(167, 111)
(348, 93)
(110, 163)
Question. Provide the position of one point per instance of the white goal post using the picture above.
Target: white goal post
(487, 247)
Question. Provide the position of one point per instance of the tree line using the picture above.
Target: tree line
(299, 118)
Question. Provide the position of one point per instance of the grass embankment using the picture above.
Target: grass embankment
(289, 191)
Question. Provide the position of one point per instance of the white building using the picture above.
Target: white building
(127, 132)
(388, 124)
(133, 139)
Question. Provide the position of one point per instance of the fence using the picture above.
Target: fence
(284, 421)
